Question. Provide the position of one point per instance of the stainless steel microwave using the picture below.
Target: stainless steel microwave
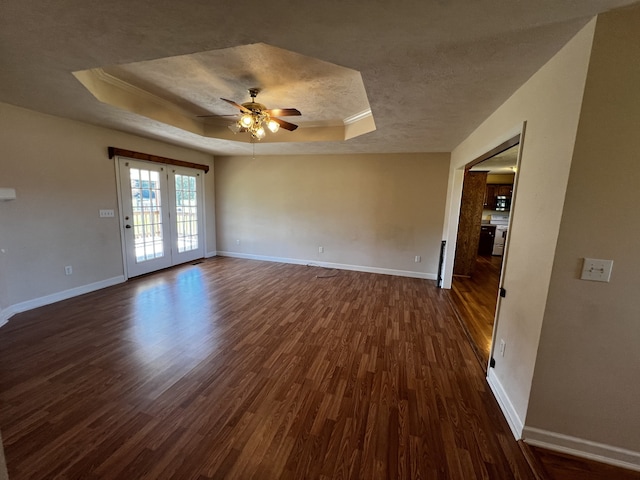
(503, 203)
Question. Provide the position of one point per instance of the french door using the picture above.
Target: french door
(162, 215)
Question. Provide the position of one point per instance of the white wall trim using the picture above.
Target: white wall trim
(580, 447)
(56, 297)
(5, 315)
(339, 266)
(211, 254)
(508, 410)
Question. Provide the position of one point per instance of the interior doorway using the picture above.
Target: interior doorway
(161, 215)
(485, 216)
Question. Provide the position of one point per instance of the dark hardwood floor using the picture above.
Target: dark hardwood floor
(475, 300)
(559, 466)
(244, 369)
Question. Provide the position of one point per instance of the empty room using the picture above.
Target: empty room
(243, 240)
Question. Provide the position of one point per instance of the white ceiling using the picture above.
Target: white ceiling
(432, 69)
(502, 163)
(332, 98)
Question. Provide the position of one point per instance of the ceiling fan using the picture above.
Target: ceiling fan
(255, 118)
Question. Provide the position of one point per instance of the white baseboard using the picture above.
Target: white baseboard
(508, 410)
(211, 254)
(56, 297)
(580, 447)
(5, 315)
(338, 266)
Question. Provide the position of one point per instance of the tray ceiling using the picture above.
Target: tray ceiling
(432, 70)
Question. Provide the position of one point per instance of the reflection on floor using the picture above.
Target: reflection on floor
(243, 369)
(475, 301)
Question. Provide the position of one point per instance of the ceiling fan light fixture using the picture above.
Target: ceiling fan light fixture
(256, 123)
(256, 118)
(246, 120)
(259, 133)
(273, 126)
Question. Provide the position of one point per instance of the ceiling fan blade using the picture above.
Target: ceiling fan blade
(215, 116)
(237, 105)
(284, 124)
(284, 112)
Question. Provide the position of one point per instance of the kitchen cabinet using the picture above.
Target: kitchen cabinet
(490, 197)
(504, 190)
(494, 190)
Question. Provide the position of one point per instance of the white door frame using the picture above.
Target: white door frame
(121, 214)
(453, 214)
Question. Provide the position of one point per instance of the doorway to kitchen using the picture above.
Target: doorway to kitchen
(483, 225)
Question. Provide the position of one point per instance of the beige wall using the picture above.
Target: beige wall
(63, 177)
(569, 376)
(374, 212)
(549, 103)
(587, 377)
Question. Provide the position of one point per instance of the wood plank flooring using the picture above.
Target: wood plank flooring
(242, 369)
(559, 466)
(475, 301)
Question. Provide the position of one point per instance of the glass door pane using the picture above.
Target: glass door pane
(188, 236)
(186, 213)
(146, 199)
(145, 215)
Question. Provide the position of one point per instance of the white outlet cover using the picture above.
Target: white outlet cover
(596, 270)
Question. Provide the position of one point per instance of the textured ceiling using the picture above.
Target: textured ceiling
(332, 98)
(432, 69)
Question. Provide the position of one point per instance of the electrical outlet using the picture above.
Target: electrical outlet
(502, 347)
(320, 249)
(238, 242)
(418, 259)
(68, 270)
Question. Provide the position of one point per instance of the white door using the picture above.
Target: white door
(162, 218)
(187, 229)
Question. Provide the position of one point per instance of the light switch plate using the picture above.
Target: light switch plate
(596, 270)
(107, 213)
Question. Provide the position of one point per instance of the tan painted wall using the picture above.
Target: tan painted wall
(549, 102)
(63, 177)
(587, 377)
(375, 211)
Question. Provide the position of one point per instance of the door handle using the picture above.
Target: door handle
(127, 226)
